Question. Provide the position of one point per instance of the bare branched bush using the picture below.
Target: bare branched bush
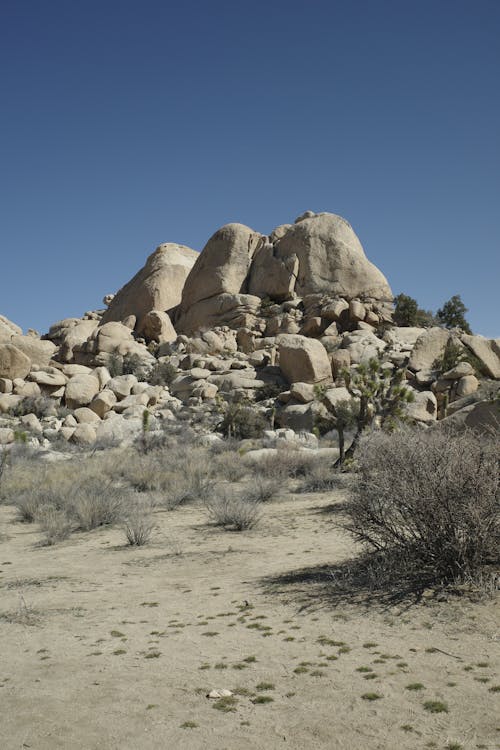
(54, 523)
(31, 503)
(232, 512)
(431, 497)
(138, 523)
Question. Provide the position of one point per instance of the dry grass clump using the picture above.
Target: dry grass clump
(138, 522)
(431, 499)
(229, 465)
(262, 490)
(55, 524)
(322, 477)
(232, 512)
(95, 503)
(286, 463)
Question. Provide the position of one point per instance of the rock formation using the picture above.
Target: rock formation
(265, 319)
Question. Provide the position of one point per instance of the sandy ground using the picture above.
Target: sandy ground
(105, 646)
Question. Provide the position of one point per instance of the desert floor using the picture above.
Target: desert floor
(105, 646)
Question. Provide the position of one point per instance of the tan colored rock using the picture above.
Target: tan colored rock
(157, 286)
(26, 389)
(140, 399)
(234, 310)
(103, 376)
(311, 327)
(6, 385)
(467, 385)
(112, 338)
(50, 377)
(6, 436)
(336, 396)
(121, 385)
(223, 265)
(80, 390)
(333, 310)
(303, 360)
(279, 232)
(8, 401)
(8, 329)
(429, 347)
(271, 276)
(39, 352)
(486, 350)
(302, 392)
(331, 259)
(31, 423)
(69, 334)
(362, 346)
(157, 326)
(340, 360)
(84, 434)
(13, 362)
(103, 403)
(84, 415)
(459, 371)
(67, 432)
(372, 318)
(424, 408)
(357, 311)
(70, 370)
(202, 389)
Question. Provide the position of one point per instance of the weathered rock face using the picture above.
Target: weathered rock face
(39, 352)
(331, 259)
(486, 350)
(430, 345)
(157, 286)
(8, 329)
(303, 360)
(13, 362)
(272, 276)
(221, 269)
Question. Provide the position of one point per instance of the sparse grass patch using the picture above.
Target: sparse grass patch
(415, 686)
(436, 707)
(265, 686)
(371, 696)
(260, 699)
(226, 705)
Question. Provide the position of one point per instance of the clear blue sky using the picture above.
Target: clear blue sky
(125, 124)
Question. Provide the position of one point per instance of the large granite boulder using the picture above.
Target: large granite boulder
(39, 352)
(157, 286)
(429, 347)
(303, 360)
(487, 351)
(331, 259)
(221, 269)
(8, 329)
(13, 362)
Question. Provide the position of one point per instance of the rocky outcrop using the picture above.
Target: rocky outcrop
(13, 362)
(157, 286)
(331, 259)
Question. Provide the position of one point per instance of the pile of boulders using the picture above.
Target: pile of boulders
(261, 318)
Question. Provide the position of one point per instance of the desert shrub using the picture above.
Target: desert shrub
(96, 503)
(54, 523)
(430, 497)
(322, 477)
(138, 523)
(232, 512)
(41, 406)
(4, 458)
(240, 419)
(229, 465)
(133, 364)
(163, 373)
(31, 502)
(285, 463)
(262, 489)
